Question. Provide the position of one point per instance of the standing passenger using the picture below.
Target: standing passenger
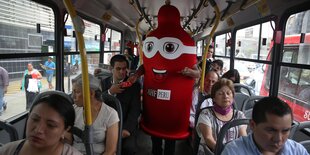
(31, 84)
(4, 83)
(129, 98)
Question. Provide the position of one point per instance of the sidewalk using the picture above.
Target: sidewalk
(16, 98)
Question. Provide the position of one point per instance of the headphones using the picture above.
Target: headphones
(54, 92)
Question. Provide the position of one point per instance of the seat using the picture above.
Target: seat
(10, 130)
(250, 102)
(115, 104)
(219, 147)
(196, 140)
(239, 99)
(297, 127)
(241, 88)
(306, 144)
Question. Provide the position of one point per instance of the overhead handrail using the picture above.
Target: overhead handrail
(79, 30)
(217, 15)
(141, 11)
(140, 41)
(195, 13)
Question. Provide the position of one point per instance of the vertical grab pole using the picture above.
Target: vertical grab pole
(204, 61)
(79, 30)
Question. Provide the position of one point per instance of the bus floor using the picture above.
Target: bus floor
(145, 145)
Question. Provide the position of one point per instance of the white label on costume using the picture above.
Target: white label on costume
(163, 94)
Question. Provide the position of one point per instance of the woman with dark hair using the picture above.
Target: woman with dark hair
(212, 119)
(50, 117)
(232, 75)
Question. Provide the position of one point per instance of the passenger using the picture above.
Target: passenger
(129, 98)
(217, 66)
(271, 124)
(209, 59)
(50, 117)
(234, 76)
(202, 100)
(105, 119)
(211, 120)
(31, 84)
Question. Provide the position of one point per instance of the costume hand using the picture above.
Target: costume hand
(125, 133)
(115, 89)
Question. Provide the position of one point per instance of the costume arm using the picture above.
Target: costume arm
(139, 72)
(111, 140)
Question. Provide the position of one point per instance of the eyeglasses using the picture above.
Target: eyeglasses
(168, 47)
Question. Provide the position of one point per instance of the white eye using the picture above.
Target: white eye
(149, 46)
(170, 47)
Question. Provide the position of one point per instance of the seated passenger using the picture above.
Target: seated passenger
(271, 124)
(234, 76)
(212, 119)
(217, 66)
(105, 119)
(202, 99)
(49, 118)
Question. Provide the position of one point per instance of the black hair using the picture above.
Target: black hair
(61, 104)
(219, 62)
(130, 52)
(270, 105)
(118, 58)
(232, 73)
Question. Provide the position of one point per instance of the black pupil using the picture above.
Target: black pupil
(169, 47)
(149, 47)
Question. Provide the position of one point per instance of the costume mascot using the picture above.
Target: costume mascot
(167, 94)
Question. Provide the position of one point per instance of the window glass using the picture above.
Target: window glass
(107, 42)
(266, 38)
(220, 44)
(91, 36)
(247, 42)
(16, 95)
(251, 74)
(294, 85)
(199, 48)
(116, 41)
(73, 65)
(107, 57)
(27, 30)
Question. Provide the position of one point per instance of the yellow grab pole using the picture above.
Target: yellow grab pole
(79, 30)
(217, 20)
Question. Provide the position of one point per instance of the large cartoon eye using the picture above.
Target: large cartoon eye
(170, 47)
(149, 46)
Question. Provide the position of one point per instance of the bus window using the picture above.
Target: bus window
(294, 85)
(222, 49)
(91, 36)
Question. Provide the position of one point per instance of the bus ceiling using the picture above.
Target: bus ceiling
(197, 16)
